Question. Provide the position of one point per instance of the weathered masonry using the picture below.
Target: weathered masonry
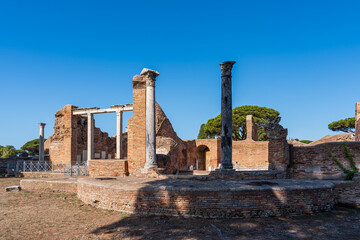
(151, 146)
(211, 178)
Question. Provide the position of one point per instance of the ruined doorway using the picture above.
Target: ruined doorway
(203, 158)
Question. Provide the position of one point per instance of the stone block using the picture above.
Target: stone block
(13, 189)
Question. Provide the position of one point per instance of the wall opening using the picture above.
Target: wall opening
(203, 157)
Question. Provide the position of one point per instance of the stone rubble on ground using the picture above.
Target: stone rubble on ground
(13, 189)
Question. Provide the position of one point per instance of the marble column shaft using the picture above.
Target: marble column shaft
(41, 142)
(150, 77)
(119, 126)
(90, 137)
(226, 115)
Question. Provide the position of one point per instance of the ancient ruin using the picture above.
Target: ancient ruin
(148, 169)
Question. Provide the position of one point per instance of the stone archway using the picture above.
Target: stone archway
(202, 157)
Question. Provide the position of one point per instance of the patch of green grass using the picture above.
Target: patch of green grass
(26, 191)
(61, 195)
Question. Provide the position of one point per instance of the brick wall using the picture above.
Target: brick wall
(63, 141)
(108, 168)
(136, 127)
(247, 155)
(347, 193)
(69, 140)
(250, 155)
(211, 203)
(314, 161)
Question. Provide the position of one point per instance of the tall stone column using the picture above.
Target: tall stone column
(226, 115)
(357, 121)
(119, 126)
(41, 142)
(90, 137)
(150, 77)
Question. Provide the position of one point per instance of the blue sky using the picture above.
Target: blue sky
(298, 57)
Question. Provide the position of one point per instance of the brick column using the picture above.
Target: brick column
(41, 142)
(119, 120)
(150, 77)
(226, 115)
(251, 131)
(278, 147)
(90, 137)
(357, 121)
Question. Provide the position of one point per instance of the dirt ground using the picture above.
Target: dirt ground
(51, 215)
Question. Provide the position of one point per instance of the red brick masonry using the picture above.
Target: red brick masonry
(108, 168)
(208, 199)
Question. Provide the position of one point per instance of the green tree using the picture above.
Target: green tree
(7, 151)
(202, 134)
(344, 125)
(32, 146)
(262, 115)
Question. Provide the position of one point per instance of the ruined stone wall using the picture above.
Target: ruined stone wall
(169, 147)
(246, 155)
(278, 147)
(63, 142)
(136, 127)
(69, 140)
(213, 157)
(315, 162)
(102, 141)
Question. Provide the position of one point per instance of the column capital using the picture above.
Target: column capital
(226, 67)
(150, 76)
(42, 124)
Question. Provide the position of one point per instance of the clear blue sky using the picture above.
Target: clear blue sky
(298, 57)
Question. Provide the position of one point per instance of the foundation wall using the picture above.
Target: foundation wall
(347, 192)
(208, 203)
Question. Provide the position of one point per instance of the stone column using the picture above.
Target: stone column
(357, 121)
(41, 142)
(90, 137)
(226, 115)
(150, 76)
(119, 126)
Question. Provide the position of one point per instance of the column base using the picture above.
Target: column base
(225, 171)
(151, 172)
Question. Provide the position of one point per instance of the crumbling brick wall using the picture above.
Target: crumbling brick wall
(315, 162)
(69, 140)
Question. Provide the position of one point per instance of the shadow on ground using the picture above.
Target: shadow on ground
(341, 223)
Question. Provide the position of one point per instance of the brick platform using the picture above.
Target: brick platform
(208, 199)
